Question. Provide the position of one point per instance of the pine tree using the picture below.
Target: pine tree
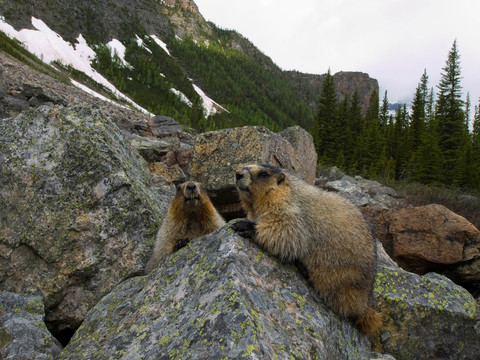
(399, 142)
(326, 127)
(418, 117)
(355, 126)
(450, 118)
(371, 141)
(383, 114)
(475, 179)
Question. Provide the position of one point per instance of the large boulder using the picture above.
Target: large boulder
(217, 154)
(78, 212)
(433, 238)
(425, 317)
(220, 297)
(223, 297)
(23, 334)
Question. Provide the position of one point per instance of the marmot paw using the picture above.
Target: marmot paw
(180, 244)
(244, 228)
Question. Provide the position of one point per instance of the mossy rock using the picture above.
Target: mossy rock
(78, 212)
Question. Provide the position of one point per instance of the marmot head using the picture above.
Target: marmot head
(255, 181)
(190, 191)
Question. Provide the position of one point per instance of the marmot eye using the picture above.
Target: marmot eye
(263, 174)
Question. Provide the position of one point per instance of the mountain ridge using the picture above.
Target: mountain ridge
(258, 91)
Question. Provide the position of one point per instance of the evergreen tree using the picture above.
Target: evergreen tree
(418, 117)
(475, 160)
(450, 118)
(327, 125)
(371, 141)
(383, 114)
(355, 126)
(400, 144)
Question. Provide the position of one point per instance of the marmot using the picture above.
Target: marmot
(190, 215)
(325, 232)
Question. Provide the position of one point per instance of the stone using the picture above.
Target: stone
(151, 148)
(163, 125)
(222, 297)
(362, 192)
(425, 317)
(23, 334)
(433, 238)
(218, 154)
(78, 209)
(219, 297)
(171, 173)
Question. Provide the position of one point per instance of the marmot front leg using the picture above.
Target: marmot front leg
(180, 244)
(245, 228)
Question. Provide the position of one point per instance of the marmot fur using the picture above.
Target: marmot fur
(190, 215)
(325, 232)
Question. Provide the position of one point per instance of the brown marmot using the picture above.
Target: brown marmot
(190, 215)
(325, 232)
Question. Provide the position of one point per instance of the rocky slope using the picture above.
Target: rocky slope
(283, 98)
(79, 210)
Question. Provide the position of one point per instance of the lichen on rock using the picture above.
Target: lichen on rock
(220, 297)
(78, 212)
(23, 334)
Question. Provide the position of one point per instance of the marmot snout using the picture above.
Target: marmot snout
(190, 215)
(297, 221)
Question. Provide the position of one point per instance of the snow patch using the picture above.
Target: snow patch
(49, 46)
(118, 49)
(141, 44)
(94, 93)
(182, 96)
(160, 43)
(210, 106)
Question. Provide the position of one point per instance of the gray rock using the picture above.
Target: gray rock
(220, 297)
(163, 126)
(425, 317)
(78, 212)
(363, 192)
(218, 154)
(151, 148)
(23, 334)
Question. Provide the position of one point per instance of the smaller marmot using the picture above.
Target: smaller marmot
(325, 232)
(190, 215)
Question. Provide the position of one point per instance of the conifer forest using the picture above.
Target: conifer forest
(436, 142)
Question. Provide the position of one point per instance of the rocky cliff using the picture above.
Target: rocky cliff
(346, 83)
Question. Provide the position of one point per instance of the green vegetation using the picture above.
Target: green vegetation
(149, 78)
(254, 91)
(431, 144)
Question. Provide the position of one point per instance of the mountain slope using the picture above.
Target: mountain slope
(171, 57)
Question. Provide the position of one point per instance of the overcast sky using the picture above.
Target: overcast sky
(391, 40)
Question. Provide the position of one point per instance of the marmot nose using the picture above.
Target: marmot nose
(239, 175)
(191, 186)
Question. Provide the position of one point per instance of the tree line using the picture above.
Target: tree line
(433, 143)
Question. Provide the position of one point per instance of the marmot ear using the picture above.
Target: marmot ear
(280, 178)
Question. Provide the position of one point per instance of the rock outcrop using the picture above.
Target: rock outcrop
(23, 334)
(346, 83)
(78, 212)
(222, 296)
(217, 154)
(425, 317)
(433, 238)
